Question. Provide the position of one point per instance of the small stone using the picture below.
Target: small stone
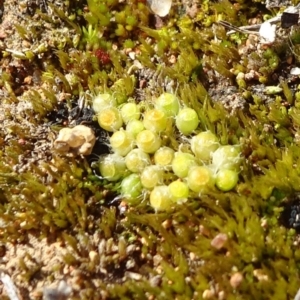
(221, 295)
(240, 75)
(157, 259)
(28, 80)
(130, 249)
(219, 241)
(93, 255)
(252, 75)
(160, 8)
(172, 59)
(26, 44)
(192, 256)
(259, 274)
(102, 247)
(130, 264)
(167, 224)
(192, 11)
(236, 279)
(144, 241)
(295, 71)
(61, 292)
(267, 32)
(134, 276)
(79, 140)
(208, 294)
(132, 55)
(21, 142)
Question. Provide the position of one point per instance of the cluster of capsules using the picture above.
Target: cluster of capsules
(144, 161)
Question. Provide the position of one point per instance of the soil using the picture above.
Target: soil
(47, 275)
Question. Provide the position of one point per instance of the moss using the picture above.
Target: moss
(122, 252)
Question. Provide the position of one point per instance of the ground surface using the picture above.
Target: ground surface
(65, 234)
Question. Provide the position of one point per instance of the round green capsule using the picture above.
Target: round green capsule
(226, 180)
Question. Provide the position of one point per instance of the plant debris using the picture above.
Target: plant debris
(10, 287)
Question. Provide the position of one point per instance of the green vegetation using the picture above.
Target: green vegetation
(111, 57)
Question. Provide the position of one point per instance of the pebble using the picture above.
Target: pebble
(79, 139)
(219, 241)
(134, 276)
(259, 274)
(155, 281)
(93, 255)
(208, 294)
(236, 279)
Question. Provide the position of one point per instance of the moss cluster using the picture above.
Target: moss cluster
(75, 50)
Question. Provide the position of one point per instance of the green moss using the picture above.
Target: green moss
(61, 198)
